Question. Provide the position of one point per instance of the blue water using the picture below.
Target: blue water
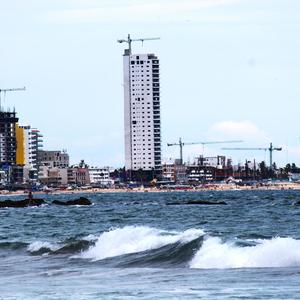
(143, 246)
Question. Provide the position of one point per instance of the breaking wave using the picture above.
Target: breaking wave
(142, 246)
(70, 247)
(276, 252)
(39, 247)
(131, 239)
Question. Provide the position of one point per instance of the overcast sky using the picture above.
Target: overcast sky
(230, 69)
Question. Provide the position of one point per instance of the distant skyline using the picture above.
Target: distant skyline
(229, 70)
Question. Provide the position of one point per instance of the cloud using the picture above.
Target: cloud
(140, 11)
(244, 130)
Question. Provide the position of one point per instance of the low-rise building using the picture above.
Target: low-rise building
(100, 176)
(53, 177)
(79, 175)
(174, 171)
(215, 161)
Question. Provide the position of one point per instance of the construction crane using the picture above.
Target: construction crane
(270, 149)
(181, 144)
(130, 40)
(3, 91)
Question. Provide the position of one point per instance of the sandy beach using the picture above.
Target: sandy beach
(207, 187)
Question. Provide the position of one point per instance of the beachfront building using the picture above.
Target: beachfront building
(142, 112)
(79, 175)
(53, 177)
(29, 143)
(8, 145)
(53, 167)
(215, 161)
(100, 176)
(52, 159)
(174, 171)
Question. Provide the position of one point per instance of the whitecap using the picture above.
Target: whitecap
(38, 245)
(134, 239)
(276, 252)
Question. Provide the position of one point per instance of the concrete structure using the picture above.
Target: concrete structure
(31, 138)
(100, 176)
(53, 176)
(18, 149)
(78, 176)
(8, 146)
(216, 161)
(53, 159)
(8, 124)
(142, 112)
(53, 167)
(174, 171)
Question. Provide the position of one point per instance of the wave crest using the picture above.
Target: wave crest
(134, 239)
(277, 252)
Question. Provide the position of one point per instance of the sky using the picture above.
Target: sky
(230, 70)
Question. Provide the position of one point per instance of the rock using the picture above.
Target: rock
(22, 203)
(79, 201)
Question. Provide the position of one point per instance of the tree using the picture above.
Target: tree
(263, 170)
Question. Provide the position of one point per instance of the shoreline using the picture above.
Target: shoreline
(210, 187)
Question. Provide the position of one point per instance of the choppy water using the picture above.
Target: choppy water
(135, 245)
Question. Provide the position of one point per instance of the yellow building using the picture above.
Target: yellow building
(20, 138)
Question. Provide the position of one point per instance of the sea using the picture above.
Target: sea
(153, 246)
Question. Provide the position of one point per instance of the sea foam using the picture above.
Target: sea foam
(277, 252)
(133, 239)
(38, 245)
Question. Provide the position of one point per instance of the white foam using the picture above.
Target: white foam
(36, 246)
(133, 239)
(277, 252)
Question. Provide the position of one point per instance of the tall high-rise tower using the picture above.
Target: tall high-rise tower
(142, 111)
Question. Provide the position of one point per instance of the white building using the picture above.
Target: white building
(100, 176)
(142, 111)
(33, 140)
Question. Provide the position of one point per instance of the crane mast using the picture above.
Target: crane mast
(271, 149)
(129, 40)
(3, 91)
(181, 144)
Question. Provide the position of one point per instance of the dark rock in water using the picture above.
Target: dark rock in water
(297, 203)
(198, 202)
(22, 203)
(79, 201)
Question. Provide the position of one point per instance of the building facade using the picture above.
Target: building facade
(8, 143)
(100, 176)
(29, 143)
(142, 112)
(52, 159)
(78, 176)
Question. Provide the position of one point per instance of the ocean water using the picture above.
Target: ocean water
(142, 246)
